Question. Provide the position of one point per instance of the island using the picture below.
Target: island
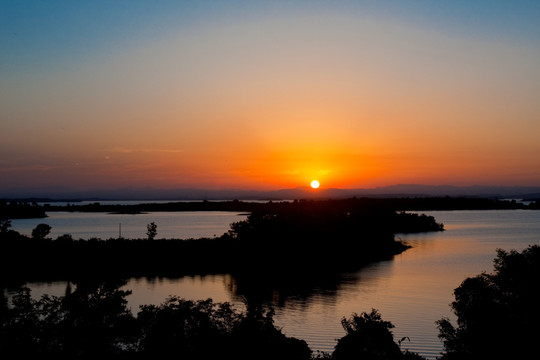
(302, 236)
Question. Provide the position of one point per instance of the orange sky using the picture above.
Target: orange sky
(271, 101)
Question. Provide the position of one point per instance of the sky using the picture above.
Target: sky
(268, 94)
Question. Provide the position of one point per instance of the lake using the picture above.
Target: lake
(412, 290)
(179, 225)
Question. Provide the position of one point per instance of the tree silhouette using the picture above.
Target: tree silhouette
(92, 320)
(41, 231)
(498, 315)
(369, 337)
(151, 230)
(5, 225)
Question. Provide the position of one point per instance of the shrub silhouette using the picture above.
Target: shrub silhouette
(368, 337)
(498, 314)
(151, 230)
(206, 330)
(5, 225)
(41, 231)
(91, 320)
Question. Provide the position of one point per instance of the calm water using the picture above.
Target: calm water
(180, 225)
(413, 290)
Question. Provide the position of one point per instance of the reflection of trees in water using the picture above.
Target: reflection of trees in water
(281, 289)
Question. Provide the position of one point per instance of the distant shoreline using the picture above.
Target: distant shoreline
(15, 210)
(527, 193)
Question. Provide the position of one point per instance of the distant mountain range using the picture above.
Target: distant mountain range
(401, 190)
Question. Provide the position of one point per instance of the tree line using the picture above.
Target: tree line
(304, 237)
(28, 209)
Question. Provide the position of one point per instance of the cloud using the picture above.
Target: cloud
(27, 168)
(123, 150)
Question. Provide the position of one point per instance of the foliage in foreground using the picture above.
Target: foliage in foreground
(94, 321)
(497, 318)
(369, 337)
(498, 314)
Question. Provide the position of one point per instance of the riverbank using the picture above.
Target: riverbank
(291, 237)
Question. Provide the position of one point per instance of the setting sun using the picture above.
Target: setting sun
(315, 184)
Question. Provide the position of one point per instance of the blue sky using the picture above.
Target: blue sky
(36, 34)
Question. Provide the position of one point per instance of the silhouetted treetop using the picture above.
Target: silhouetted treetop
(20, 210)
(92, 320)
(41, 231)
(497, 314)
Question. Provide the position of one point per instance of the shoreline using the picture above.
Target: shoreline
(286, 238)
(20, 209)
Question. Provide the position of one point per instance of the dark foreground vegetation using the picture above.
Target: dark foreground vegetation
(21, 210)
(498, 314)
(92, 320)
(311, 236)
(497, 318)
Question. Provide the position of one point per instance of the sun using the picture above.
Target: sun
(315, 184)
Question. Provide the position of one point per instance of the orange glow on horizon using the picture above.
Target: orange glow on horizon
(197, 110)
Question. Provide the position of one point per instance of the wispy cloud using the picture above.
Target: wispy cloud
(26, 168)
(124, 150)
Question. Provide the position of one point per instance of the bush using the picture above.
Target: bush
(497, 314)
(93, 321)
(41, 231)
(368, 337)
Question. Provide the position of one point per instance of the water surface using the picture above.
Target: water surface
(178, 225)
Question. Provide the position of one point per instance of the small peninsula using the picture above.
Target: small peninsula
(285, 237)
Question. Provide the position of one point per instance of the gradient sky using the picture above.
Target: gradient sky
(268, 94)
